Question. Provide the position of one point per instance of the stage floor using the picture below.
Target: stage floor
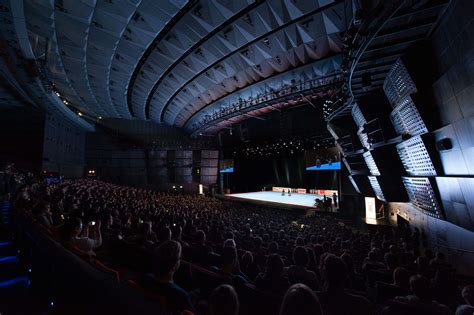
(302, 200)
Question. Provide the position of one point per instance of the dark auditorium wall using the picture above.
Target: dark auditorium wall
(113, 162)
(251, 174)
(453, 47)
(21, 138)
(63, 147)
(159, 168)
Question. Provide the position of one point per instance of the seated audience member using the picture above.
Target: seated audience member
(247, 265)
(177, 234)
(422, 266)
(167, 259)
(90, 239)
(468, 296)
(298, 273)
(401, 278)
(224, 301)
(420, 301)
(229, 243)
(44, 215)
(199, 251)
(439, 262)
(273, 279)
(371, 262)
(230, 265)
(445, 290)
(300, 300)
(164, 235)
(146, 236)
(335, 300)
(273, 248)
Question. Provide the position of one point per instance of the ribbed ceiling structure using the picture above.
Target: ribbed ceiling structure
(166, 61)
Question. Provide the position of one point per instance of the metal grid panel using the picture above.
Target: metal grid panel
(369, 160)
(398, 83)
(406, 119)
(358, 116)
(422, 195)
(376, 187)
(415, 157)
(364, 139)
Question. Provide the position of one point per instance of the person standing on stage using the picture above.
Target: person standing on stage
(334, 198)
(289, 193)
(282, 192)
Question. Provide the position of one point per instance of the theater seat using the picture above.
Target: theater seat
(207, 280)
(255, 301)
(101, 266)
(148, 294)
(386, 291)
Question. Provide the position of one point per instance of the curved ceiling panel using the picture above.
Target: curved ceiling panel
(93, 46)
(274, 37)
(167, 60)
(204, 18)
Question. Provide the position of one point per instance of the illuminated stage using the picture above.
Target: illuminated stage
(275, 198)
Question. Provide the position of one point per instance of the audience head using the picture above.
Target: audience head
(390, 261)
(229, 243)
(401, 277)
(167, 258)
(335, 271)
(247, 258)
(300, 300)
(164, 234)
(71, 228)
(273, 248)
(468, 294)
(201, 237)
(229, 256)
(300, 256)
(421, 287)
(274, 265)
(224, 301)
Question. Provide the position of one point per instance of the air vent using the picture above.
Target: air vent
(406, 119)
(415, 157)
(376, 187)
(422, 195)
(369, 160)
(398, 83)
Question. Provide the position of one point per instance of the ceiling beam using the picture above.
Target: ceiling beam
(257, 39)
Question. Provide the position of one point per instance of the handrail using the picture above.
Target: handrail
(271, 95)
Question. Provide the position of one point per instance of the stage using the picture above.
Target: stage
(275, 198)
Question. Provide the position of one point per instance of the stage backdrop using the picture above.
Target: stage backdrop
(251, 174)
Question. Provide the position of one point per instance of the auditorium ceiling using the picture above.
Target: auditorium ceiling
(173, 61)
(200, 65)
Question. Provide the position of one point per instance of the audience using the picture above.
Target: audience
(77, 237)
(420, 301)
(468, 296)
(273, 279)
(298, 273)
(166, 262)
(224, 301)
(345, 267)
(336, 300)
(300, 300)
